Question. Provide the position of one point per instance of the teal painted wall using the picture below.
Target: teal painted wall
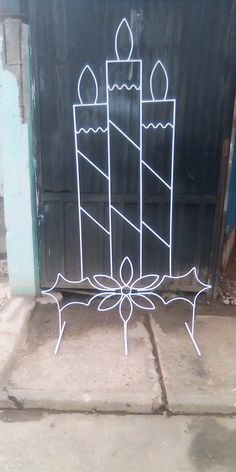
(19, 195)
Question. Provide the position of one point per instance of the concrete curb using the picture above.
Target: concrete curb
(14, 321)
(202, 404)
(24, 399)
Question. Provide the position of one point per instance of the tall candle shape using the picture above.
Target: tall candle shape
(158, 159)
(129, 124)
(124, 109)
(90, 128)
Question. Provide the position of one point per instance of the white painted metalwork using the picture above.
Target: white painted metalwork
(125, 293)
(162, 69)
(124, 24)
(92, 164)
(87, 68)
(86, 131)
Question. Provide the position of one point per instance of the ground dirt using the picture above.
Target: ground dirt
(227, 283)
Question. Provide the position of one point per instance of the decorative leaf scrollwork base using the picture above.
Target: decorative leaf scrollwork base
(126, 294)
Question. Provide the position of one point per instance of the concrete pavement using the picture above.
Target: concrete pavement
(194, 384)
(42, 442)
(91, 373)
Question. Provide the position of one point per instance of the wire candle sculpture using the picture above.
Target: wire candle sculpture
(125, 292)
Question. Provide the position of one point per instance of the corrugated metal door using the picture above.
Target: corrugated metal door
(195, 41)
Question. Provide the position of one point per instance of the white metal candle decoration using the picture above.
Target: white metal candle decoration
(124, 292)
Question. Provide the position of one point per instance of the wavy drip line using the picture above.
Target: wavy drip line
(159, 125)
(120, 87)
(83, 130)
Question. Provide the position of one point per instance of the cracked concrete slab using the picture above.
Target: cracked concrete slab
(90, 372)
(194, 384)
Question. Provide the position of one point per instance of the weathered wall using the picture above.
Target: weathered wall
(16, 158)
(1, 177)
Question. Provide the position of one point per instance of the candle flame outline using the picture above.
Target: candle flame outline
(159, 63)
(87, 67)
(124, 22)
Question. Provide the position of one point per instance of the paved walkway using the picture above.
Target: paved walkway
(42, 442)
(162, 373)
